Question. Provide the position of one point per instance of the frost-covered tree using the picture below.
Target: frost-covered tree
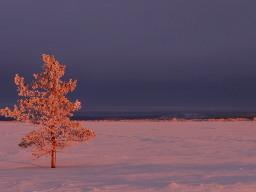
(45, 104)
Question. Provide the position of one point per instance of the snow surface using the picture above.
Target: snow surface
(138, 156)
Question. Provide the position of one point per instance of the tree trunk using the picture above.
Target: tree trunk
(53, 165)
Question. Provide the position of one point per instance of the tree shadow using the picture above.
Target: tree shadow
(23, 163)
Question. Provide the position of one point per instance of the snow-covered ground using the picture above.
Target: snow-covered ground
(138, 156)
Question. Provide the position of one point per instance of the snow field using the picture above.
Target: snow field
(138, 156)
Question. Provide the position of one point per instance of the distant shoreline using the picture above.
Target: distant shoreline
(175, 120)
(161, 120)
(160, 116)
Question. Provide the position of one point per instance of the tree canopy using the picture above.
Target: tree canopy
(46, 105)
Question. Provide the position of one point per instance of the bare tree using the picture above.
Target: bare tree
(47, 106)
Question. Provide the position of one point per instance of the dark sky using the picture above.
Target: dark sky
(136, 54)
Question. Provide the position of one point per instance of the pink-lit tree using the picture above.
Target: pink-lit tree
(47, 106)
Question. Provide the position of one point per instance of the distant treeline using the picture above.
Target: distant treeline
(94, 116)
(162, 115)
(2, 118)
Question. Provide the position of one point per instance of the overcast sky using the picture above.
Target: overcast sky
(136, 54)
